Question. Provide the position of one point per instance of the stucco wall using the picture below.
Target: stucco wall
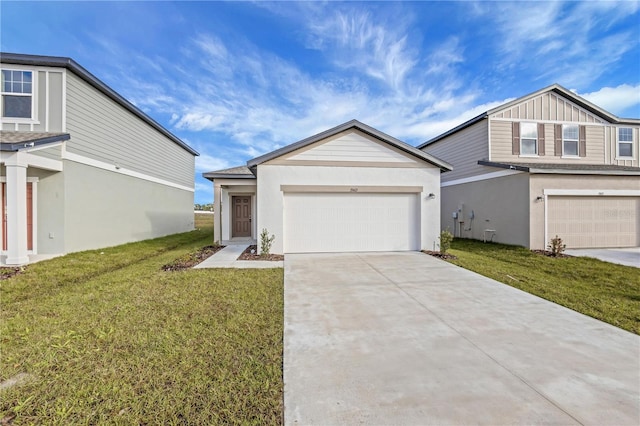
(501, 204)
(270, 197)
(105, 208)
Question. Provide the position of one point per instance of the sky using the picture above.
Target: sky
(235, 80)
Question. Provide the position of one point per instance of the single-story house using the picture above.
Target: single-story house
(80, 166)
(350, 188)
(549, 163)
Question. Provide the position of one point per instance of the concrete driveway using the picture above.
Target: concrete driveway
(622, 256)
(404, 338)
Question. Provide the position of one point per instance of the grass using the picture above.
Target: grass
(107, 337)
(602, 290)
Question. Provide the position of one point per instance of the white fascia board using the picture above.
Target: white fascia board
(492, 175)
(115, 169)
(594, 192)
(43, 163)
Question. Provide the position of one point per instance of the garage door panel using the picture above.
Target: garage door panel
(351, 222)
(584, 222)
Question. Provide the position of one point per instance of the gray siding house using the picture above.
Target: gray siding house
(549, 163)
(80, 166)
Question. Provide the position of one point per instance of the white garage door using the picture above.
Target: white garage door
(584, 222)
(329, 222)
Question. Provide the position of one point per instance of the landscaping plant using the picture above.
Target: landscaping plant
(556, 247)
(446, 238)
(265, 242)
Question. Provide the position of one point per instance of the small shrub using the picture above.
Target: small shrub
(446, 238)
(556, 247)
(265, 242)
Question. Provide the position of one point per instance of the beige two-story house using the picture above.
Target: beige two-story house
(549, 163)
(80, 166)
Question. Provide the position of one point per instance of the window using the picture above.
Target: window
(570, 140)
(528, 139)
(17, 93)
(625, 142)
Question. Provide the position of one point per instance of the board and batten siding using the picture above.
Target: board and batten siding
(103, 130)
(547, 107)
(463, 150)
(611, 147)
(49, 103)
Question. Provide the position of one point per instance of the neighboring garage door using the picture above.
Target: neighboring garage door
(584, 222)
(346, 222)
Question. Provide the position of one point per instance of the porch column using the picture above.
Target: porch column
(16, 209)
(217, 217)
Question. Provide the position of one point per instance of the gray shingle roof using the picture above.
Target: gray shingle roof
(13, 141)
(240, 172)
(574, 168)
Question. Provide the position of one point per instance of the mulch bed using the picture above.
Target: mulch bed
(8, 272)
(550, 254)
(190, 260)
(246, 255)
(440, 255)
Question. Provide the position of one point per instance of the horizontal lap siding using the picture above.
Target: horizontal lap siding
(463, 150)
(103, 130)
(351, 147)
(501, 140)
(53, 153)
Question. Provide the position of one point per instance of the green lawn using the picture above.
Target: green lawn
(105, 336)
(602, 290)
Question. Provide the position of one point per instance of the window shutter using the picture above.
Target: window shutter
(558, 140)
(515, 144)
(540, 139)
(582, 137)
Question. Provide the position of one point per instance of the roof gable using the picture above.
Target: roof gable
(553, 104)
(350, 143)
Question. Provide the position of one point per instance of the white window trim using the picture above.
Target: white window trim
(618, 142)
(34, 99)
(571, 140)
(535, 125)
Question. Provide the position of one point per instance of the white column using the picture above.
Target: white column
(16, 210)
(217, 217)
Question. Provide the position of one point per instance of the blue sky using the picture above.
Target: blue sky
(238, 79)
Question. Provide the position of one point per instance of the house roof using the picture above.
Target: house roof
(14, 141)
(70, 64)
(353, 124)
(581, 169)
(578, 100)
(240, 172)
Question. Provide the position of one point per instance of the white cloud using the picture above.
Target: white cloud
(209, 163)
(560, 41)
(615, 99)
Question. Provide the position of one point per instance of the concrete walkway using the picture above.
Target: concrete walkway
(404, 338)
(228, 258)
(622, 256)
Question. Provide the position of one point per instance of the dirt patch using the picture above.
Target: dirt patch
(6, 273)
(439, 255)
(247, 255)
(550, 254)
(190, 260)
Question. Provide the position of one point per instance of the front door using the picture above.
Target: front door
(241, 216)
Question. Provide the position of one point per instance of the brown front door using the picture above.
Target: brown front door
(241, 221)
